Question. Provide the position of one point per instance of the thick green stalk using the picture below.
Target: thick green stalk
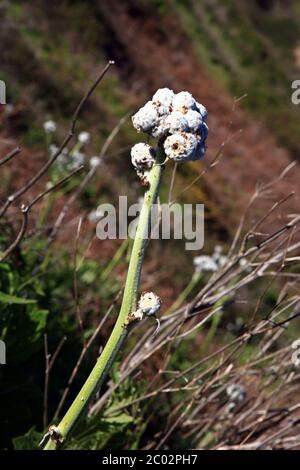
(121, 328)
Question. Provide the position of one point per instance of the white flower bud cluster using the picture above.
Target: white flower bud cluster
(210, 263)
(205, 263)
(177, 118)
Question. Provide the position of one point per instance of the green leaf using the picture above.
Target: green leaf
(12, 299)
(88, 277)
(122, 418)
(29, 441)
(5, 267)
(39, 318)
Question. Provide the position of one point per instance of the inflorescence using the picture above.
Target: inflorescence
(178, 121)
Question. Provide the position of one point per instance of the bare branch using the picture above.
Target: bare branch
(10, 155)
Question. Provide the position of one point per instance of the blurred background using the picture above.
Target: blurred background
(238, 58)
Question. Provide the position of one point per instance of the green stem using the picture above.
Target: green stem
(215, 321)
(77, 148)
(184, 294)
(46, 209)
(48, 144)
(212, 330)
(121, 328)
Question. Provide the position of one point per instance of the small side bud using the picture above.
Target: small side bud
(142, 156)
(149, 303)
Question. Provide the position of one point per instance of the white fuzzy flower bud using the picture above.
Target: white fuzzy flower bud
(149, 303)
(243, 262)
(142, 156)
(84, 138)
(176, 122)
(161, 130)
(181, 146)
(164, 96)
(205, 263)
(236, 392)
(146, 118)
(183, 101)
(194, 120)
(95, 161)
(162, 100)
(49, 127)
